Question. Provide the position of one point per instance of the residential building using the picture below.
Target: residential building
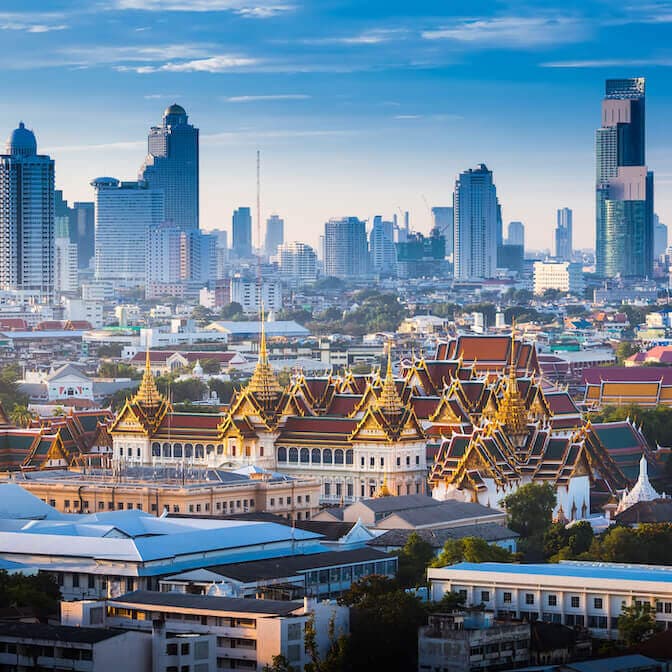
(242, 233)
(65, 262)
(163, 254)
(422, 257)
(346, 252)
(275, 235)
(85, 232)
(171, 167)
(82, 310)
(563, 235)
(469, 641)
(624, 185)
(516, 234)
(124, 213)
(563, 276)
(26, 217)
(221, 252)
(477, 224)
(252, 296)
(574, 593)
(444, 222)
(29, 646)
(298, 263)
(381, 244)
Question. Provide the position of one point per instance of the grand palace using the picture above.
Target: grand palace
(474, 424)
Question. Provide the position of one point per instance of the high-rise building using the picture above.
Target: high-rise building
(171, 166)
(346, 253)
(124, 213)
(516, 234)
(381, 244)
(477, 224)
(242, 233)
(659, 237)
(221, 252)
(624, 186)
(298, 262)
(420, 257)
(85, 232)
(26, 217)
(563, 235)
(65, 259)
(275, 234)
(444, 221)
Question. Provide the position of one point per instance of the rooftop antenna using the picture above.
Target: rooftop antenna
(259, 250)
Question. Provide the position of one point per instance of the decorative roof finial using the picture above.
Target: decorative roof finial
(148, 394)
(389, 400)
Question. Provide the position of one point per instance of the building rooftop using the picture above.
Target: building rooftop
(207, 603)
(55, 633)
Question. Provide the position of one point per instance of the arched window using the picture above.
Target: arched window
(220, 449)
(305, 455)
(326, 456)
(177, 450)
(188, 450)
(348, 456)
(166, 450)
(156, 449)
(293, 454)
(338, 456)
(282, 454)
(209, 448)
(199, 450)
(316, 456)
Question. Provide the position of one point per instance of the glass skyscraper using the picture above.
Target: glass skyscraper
(275, 234)
(563, 235)
(27, 203)
(478, 228)
(171, 166)
(346, 251)
(624, 186)
(241, 226)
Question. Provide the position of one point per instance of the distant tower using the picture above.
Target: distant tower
(242, 233)
(381, 244)
(477, 224)
(444, 221)
(624, 185)
(659, 237)
(26, 217)
(563, 235)
(516, 234)
(275, 234)
(346, 253)
(171, 166)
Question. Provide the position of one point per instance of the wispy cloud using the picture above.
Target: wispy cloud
(212, 64)
(162, 96)
(32, 22)
(374, 36)
(271, 97)
(610, 63)
(408, 116)
(258, 10)
(140, 55)
(511, 31)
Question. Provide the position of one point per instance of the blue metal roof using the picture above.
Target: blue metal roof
(582, 570)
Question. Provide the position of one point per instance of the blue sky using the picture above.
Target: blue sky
(359, 107)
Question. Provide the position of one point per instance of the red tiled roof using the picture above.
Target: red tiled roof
(629, 374)
(561, 403)
(13, 324)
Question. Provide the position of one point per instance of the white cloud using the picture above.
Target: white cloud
(259, 10)
(517, 32)
(374, 36)
(408, 116)
(162, 96)
(32, 22)
(610, 63)
(213, 64)
(276, 96)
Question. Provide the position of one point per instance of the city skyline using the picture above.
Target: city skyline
(338, 97)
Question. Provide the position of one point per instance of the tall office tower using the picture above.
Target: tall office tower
(477, 220)
(242, 233)
(221, 252)
(275, 234)
(163, 254)
(124, 213)
(85, 232)
(563, 235)
(298, 262)
(624, 186)
(171, 166)
(198, 256)
(346, 252)
(515, 234)
(65, 259)
(381, 244)
(26, 217)
(659, 237)
(443, 220)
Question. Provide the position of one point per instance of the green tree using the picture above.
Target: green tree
(232, 311)
(109, 369)
(530, 511)
(336, 656)
(9, 389)
(21, 416)
(201, 315)
(384, 621)
(471, 549)
(223, 388)
(210, 365)
(563, 543)
(38, 592)
(624, 350)
(449, 602)
(414, 558)
(279, 664)
(636, 623)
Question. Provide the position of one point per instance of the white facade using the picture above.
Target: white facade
(124, 213)
(65, 266)
(298, 262)
(346, 251)
(589, 594)
(381, 244)
(561, 275)
(250, 295)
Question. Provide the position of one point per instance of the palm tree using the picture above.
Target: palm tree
(21, 416)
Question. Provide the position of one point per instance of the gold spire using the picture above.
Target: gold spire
(389, 400)
(383, 490)
(148, 394)
(512, 412)
(264, 385)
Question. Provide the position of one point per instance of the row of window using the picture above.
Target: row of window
(552, 600)
(188, 450)
(314, 456)
(288, 500)
(36, 651)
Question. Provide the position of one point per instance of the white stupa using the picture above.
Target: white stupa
(642, 491)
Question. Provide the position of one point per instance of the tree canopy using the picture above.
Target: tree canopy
(636, 623)
(38, 591)
(414, 558)
(530, 511)
(471, 549)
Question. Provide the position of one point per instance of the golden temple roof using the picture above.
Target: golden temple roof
(148, 394)
(264, 385)
(512, 412)
(389, 401)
